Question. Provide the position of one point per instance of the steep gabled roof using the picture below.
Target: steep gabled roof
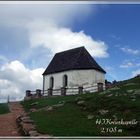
(74, 59)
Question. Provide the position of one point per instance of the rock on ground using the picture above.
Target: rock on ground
(103, 112)
(90, 117)
(81, 102)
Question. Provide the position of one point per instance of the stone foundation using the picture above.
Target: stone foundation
(26, 125)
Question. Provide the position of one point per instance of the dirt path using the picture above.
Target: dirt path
(8, 125)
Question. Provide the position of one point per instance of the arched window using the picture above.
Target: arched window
(51, 82)
(100, 87)
(65, 80)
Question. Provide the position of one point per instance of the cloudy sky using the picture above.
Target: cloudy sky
(31, 34)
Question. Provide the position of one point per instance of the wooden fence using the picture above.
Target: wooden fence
(64, 91)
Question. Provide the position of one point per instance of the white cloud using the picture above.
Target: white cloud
(48, 26)
(3, 59)
(130, 51)
(15, 79)
(109, 68)
(127, 65)
(115, 37)
(20, 14)
(58, 36)
(56, 39)
(135, 73)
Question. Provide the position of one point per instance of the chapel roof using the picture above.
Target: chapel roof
(73, 59)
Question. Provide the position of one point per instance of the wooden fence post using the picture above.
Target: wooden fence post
(28, 93)
(63, 91)
(50, 90)
(80, 90)
(38, 93)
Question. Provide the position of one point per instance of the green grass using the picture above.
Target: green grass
(46, 101)
(71, 119)
(64, 121)
(4, 108)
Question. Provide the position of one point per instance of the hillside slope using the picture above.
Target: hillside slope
(114, 112)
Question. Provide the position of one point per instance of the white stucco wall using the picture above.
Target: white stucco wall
(76, 78)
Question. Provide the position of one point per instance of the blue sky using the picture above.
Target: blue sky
(31, 34)
(118, 26)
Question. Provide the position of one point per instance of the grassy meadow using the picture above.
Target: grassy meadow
(90, 114)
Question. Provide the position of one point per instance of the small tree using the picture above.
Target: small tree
(106, 81)
(114, 82)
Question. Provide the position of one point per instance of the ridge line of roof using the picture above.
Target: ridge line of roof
(70, 50)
